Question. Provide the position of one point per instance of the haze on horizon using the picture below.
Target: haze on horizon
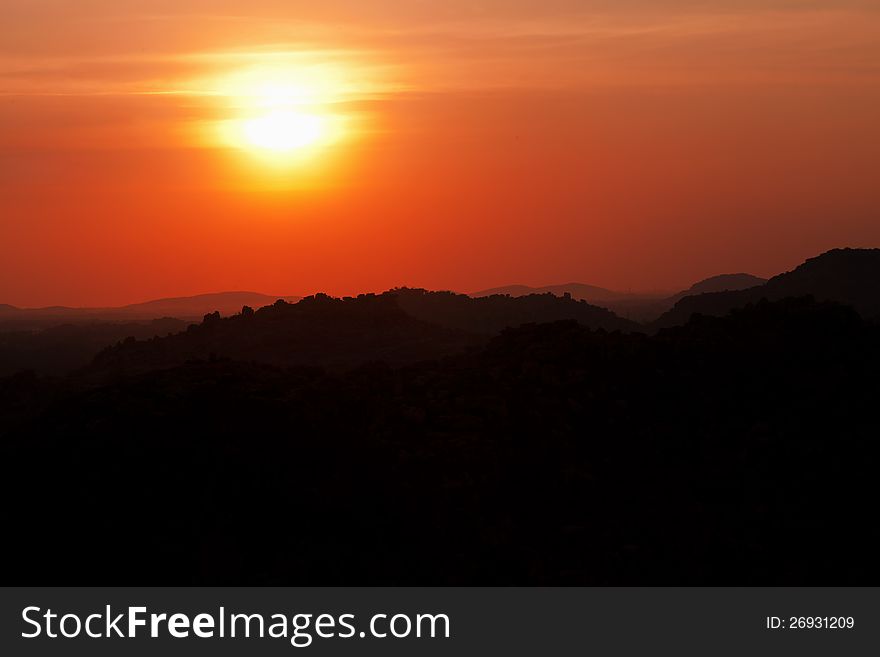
(629, 144)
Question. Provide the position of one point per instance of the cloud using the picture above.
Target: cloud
(168, 62)
(696, 42)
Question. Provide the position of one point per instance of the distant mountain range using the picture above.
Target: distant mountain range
(194, 307)
(847, 276)
(525, 440)
(226, 303)
(640, 307)
(580, 291)
(738, 449)
(397, 327)
(720, 283)
(66, 347)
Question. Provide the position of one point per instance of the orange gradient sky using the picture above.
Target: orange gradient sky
(633, 144)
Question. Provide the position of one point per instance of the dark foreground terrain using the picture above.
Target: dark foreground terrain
(733, 450)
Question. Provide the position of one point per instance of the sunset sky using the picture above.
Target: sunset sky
(632, 144)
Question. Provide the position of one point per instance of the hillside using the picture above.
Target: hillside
(61, 349)
(847, 276)
(739, 449)
(489, 315)
(579, 291)
(316, 331)
(185, 308)
(226, 303)
(639, 307)
(398, 327)
(720, 283)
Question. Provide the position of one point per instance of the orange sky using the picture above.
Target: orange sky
(632, 144)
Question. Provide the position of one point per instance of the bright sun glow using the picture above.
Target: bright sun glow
(283, 130)
(283, 115)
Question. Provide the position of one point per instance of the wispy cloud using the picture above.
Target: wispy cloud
(634, 43)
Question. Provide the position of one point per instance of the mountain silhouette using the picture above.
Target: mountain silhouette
(490, 314)
(739, 449)
(504, 440)
(847, 276)
(640, 307)
(397, 327)
(579, 291)
(61, 349)
(226, 303)
(192, 307)
(720, 283)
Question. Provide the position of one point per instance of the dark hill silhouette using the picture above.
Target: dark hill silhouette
(317, 331)
(226, 303)
(736, 450)
(848, 276)
(193, 307)
(61, 349)
(720, 283)
(490, 314)
(397, 327)
(578, 291)
(639, 307)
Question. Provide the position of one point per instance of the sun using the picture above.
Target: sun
(281, 116)
(283, 130)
